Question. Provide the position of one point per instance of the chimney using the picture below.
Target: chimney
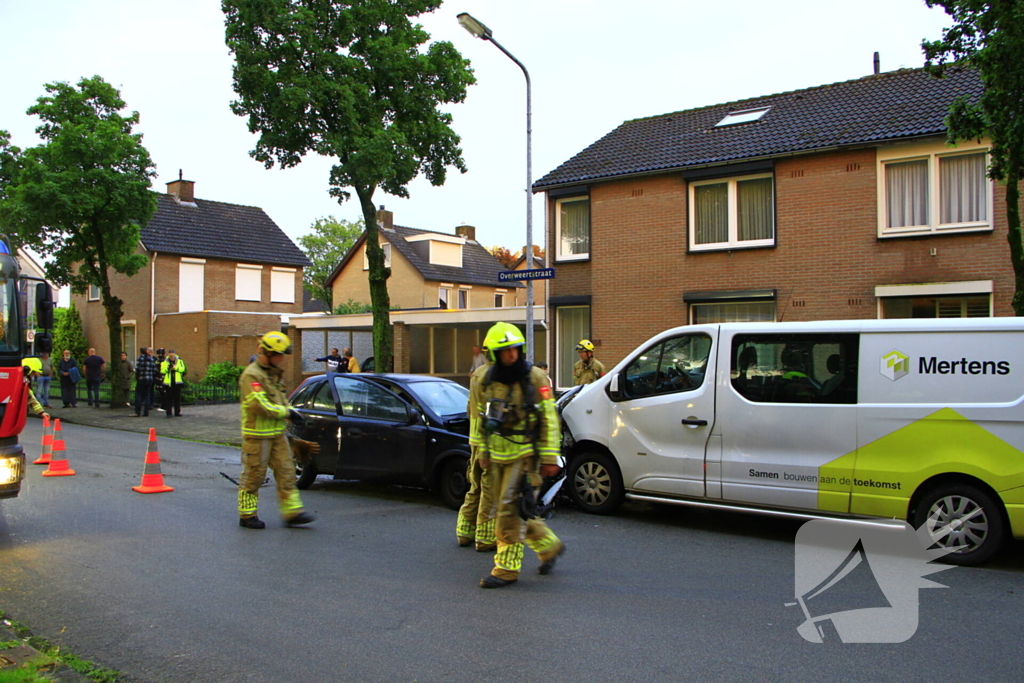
(182, 190)
(878, 64)
(466, 231)
(385, 218)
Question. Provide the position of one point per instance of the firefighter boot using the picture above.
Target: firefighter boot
(547, 565)
(300, 519)
(492, 581)
(253, 522)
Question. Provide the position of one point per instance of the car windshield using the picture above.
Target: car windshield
(444, 398)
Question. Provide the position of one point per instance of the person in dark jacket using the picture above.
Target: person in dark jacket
(67, 387)
(93, 377)
(145, 370)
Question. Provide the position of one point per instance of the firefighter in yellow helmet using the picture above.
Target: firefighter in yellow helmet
(518, 437)
(264, 412)
(587, 369)
(475, 523)
(33, 368)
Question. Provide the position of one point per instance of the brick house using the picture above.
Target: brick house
(842, 201)
(446, 291)
(218, 276)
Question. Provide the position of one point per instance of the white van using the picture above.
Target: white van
(920, 420)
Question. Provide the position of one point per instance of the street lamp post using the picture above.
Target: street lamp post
(480, 31)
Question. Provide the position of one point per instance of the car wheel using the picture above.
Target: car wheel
(974, 520)
(452, 483)
(595, 484)
(305, 475)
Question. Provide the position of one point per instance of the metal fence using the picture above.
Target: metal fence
(192, 393)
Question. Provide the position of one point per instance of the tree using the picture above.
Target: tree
(349, 81)
(325, 247)
(81, 195)
(989, 36)
(68, 334)
(506, 257)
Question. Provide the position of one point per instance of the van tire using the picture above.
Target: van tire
(595, 484)
(305, 475)
(981, 539)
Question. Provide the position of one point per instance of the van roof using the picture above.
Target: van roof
(1006, 324)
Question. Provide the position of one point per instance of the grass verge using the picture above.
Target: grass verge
(36, 672)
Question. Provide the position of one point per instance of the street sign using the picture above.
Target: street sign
(534, 274)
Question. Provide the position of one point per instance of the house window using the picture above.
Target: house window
(572, 227)
(444, 295)
(191, 284)
(933, 191)
(936, 300)
(387, 256)
(727, 213)
(572, 323)
(463, 298)
(248, 282)
(282, 285)
(499, 300)
(94, 293)
(732, 312)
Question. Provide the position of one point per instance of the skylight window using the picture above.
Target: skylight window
(744, 116)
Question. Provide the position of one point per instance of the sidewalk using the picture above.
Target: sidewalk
(219, 423)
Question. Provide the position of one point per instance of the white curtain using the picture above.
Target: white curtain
(574, 227)
(711, 213)
(963, 189)
(761, 312)
(906, 193)
(754, 209)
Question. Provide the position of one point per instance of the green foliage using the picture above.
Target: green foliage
(325, 247)
(350, 81)
(224, 373)
(68, 334)
(352, 306)
(81, 196)
(989, 36)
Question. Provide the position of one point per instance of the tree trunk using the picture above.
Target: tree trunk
(378, 276)
(112, 306)
(1014, 235)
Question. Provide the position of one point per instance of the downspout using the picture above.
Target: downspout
(152, 301)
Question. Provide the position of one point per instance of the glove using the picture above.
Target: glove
(549, 470)
(296, 417)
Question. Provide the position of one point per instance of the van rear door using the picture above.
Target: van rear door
(663, 412)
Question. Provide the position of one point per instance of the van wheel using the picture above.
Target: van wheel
(974, 520)
(452, 483)
(305, 475)
(595, 484)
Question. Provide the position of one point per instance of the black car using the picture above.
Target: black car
(399, 429)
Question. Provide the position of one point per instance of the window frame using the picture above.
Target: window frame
(559, 256)
(733, 242)
(93, 294)
(933, 153)
(248, 267)
(386, 248)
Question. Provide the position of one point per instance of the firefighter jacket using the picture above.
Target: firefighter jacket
(264, 402)
(585, 373)
(33, 403)
(526, 430)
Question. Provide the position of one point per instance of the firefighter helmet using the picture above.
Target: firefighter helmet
(503, 336)
(276, 342)
(585, 345)
(33, 364)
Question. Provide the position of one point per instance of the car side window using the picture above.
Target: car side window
(674, 365)
(366, 400)
(795, 368)
(323, 400)
(301, 399)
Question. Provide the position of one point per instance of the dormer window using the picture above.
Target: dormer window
(743, 116)
(439, 250)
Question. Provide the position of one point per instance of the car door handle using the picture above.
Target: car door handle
(695, 423)
(354, 431)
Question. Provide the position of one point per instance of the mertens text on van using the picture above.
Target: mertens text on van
(934, 366)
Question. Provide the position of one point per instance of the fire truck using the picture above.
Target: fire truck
(26, 304)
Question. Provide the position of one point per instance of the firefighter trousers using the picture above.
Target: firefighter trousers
(510, 529)
(257, 456)
(475, 523)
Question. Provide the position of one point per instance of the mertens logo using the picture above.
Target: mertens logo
(895, 365)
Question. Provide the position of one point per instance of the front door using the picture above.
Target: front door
(664, 411)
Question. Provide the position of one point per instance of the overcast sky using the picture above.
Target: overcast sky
(593, 64)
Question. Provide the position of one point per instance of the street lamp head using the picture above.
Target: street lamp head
(473, 26)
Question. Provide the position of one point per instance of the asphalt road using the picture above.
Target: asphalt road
(167, 588)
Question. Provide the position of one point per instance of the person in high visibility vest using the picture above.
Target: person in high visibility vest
(518, 436)
(265, 410)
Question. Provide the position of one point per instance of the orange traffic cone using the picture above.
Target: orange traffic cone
(44, 459)
(152, 479)
(58, 461)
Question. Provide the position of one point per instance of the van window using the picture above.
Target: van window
(673, 365)
(795, 368)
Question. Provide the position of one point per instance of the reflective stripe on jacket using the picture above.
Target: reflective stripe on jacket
(264, 401)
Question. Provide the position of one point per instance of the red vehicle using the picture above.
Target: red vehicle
(26, 303)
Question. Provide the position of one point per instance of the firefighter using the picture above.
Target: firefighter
(518, 436)
(587, 369)
(475, 523)
(33, 368)
(264, 411)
